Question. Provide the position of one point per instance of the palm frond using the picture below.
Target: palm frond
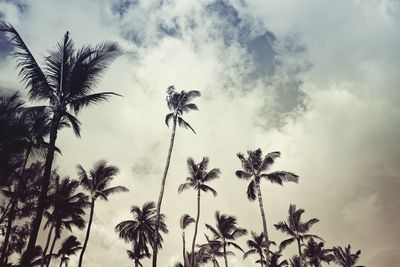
(184, 124)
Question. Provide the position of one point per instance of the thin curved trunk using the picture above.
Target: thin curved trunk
(195, 228)
(3, 258)
(87, 233)
(61, 262)
(47, 244)
(225, 258)
(51, 250)
(183, 250)
(160, 197)
(43, 191)
(300, 254)
(261, 259)
(264, 221)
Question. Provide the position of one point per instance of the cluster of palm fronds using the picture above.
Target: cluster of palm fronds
(35, 199)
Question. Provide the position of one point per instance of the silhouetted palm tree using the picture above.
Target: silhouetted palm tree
(226, 231)
(69, 247)
(295, 228)
(257, 246)
(141, 230)
(315, 253)
(274, 260)
(254, 167)
(296, 261)
(136, 255)
(178, 103)
(185, 221)
(66, 81)
(97, 183)
(345, 258)
(67, 211)
(211, 250)
(197, 180)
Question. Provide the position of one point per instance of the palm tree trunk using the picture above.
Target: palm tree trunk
(184, 250)
(264, 221)
(43, 192)
(51, 250)
(160, 197)
(136, 264)
(87, 233)
(261, 259)
(61, 262)
(299, 246)
(225, 258)
(47, 244)
(6, 212)
(195, 228)
(214, 263)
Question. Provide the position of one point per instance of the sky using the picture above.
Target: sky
(317, 80)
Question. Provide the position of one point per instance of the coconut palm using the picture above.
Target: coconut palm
(226, 231)
(254, 167)
(315, 253)
(69, 247)
(67, 211)
(66, 82)
(178, 103)
(274, 260)
(257, 246)
(141, 230)
(97, 183)
(211, 250)
(345, 258)
(136, 255)
(184, 222)
(197, 180)
(295, 228)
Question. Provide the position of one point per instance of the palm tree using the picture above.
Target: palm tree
(211, 250)
(136, 255)
(256, 245)
(97, 183)
(185, 221)
(226, 231)
(197, 180)
(315, 253)
(66, 81)
(296, 261)
(295, 228)
(178, 103)
(274, 260)
(141, 230)
(67, 211)
(345, 258)
(69, 247)
(254, 167)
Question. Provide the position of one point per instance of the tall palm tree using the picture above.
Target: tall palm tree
(69, 247)
(295, 228)
(178, 103)
(66, 82)
(184, 222)
(97, 183)
(226, 231)
(67, 211)
(257, 246)
(254, 167)
(141, 230)
(315, 253)
(345, 258)
(197, 180)
(136, 255)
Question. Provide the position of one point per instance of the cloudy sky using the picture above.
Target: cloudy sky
(317, 80)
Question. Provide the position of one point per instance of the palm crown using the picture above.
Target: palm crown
(345, 258)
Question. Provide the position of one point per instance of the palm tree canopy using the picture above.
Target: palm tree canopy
(254, 166)
(68, 76)
(141, 229)
(199, 176)
(69, 246)
(185, 221)
(344, 257)
(315, 253)
(227, 229)
(256, 244)
(179, 103)
(97, 182)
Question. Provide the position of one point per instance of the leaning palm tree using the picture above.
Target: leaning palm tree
(66, 82)
(257, 246)
(295, 228)
(345, 258)
(184, 222)
(226, 231)
(178, 103)
(97, 183)
(69, 247)
(141, 230)
(197, 180)
(254, 167)
(315, 253)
